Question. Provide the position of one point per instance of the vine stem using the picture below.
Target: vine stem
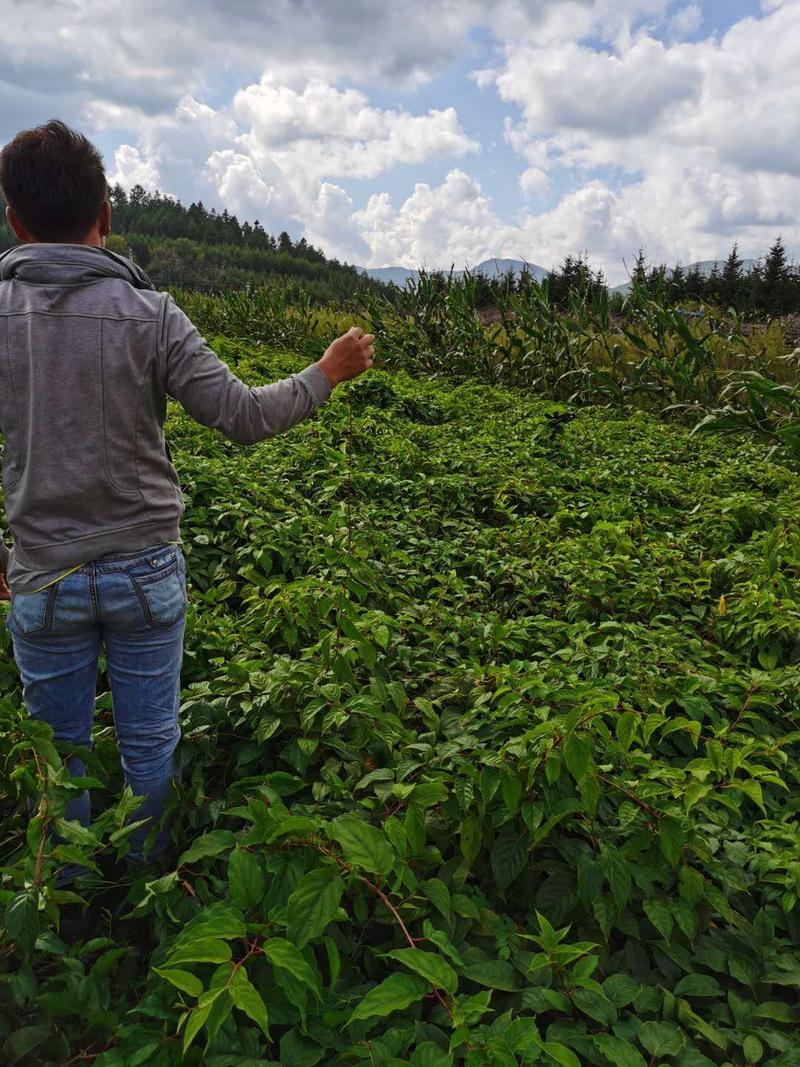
(412, 941)
(631, 796)
(44, 825)
(376, 889)
(349, 472)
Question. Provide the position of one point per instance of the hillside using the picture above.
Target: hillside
(197, 248)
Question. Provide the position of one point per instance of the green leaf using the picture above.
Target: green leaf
(495, 974)
(22, 919)
(23, 1041)
(246, 879)
(691, 886)
(299, 1051)
(189, 983)
(414, 826)
(621, 989)
(697, 985)
(282, 953)
(470, 842)
(218, 920)
(439, 895)
(590, 880)
(777, 1010)
(430, 1055)
(246, 998)
(142, 1055)
(620, 1053)
(509, 857)
(752, 789)
(313, 904)
(210, 844)
(661, 1039)
(752, 1048)
(334, 961)
(578, 755)
(596, 1006)
(618, 873)
(626, 728)
(659, 914)
(561, 1054)
(428, 965)
(696, 792)
(221, 1007)
(552, 768)
(671, 839)
(204, 950)
(395, 993)
(194, 1024)
(362, 844)
(511, 792)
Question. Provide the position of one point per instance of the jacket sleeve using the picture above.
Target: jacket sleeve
(4, 554)
(208, 390)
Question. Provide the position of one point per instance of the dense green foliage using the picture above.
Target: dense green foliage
(490, 755)
(709, 368)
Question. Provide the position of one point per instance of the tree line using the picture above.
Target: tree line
(199, 248)
(767, 288)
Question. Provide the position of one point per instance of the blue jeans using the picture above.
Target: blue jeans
(135, 605)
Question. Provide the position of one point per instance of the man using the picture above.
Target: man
(89, 353)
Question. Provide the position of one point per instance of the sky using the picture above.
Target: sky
(417, 133)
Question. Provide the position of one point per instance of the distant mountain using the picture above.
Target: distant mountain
(495, 268)
(489, 268)
(705, 266)
(398, 275)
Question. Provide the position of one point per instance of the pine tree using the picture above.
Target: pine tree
(695, 285)
(776, 277)
(731, 279)
(639, 272)
(676, 286)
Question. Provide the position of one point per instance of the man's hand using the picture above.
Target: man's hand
(347, 356)
(5, 592)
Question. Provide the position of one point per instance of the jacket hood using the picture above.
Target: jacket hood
(68, 264)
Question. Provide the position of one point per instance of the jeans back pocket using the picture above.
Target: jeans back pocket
(32, 613)
(160, 587)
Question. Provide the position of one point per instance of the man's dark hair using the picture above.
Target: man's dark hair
(53, 180)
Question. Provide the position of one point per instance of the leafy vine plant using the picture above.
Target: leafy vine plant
(490, 735)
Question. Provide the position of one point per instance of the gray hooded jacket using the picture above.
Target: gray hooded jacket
(89, 353)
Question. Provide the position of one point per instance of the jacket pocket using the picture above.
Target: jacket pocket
(160, 588)
(32, 613)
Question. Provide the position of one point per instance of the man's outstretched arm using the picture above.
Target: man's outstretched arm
(209, 391)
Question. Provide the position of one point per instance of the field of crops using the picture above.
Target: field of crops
(491, 755)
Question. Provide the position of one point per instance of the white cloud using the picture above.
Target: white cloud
(332, 132)
(534, 182)
(706, 134)
(573, 87)
(453, 222)
(240, 184)
(685, 22)
(645, 134)
(130, 169)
